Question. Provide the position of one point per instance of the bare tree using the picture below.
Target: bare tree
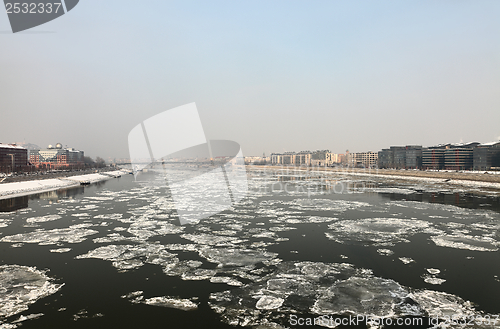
(100, 163)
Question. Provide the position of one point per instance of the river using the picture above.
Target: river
(301, 246)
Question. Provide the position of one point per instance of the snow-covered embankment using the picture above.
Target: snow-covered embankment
(11, 190)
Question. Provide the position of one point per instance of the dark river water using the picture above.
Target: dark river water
(299, 247)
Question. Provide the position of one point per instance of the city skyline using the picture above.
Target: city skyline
(273, 77)
(125, 159)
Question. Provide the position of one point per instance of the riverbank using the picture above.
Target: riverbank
(23, 188)
(50, 174)
(472, 178)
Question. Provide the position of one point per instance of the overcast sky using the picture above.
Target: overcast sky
(273, 76)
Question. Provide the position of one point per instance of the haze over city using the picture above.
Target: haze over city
(272, 76)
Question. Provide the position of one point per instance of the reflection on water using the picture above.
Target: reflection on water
(340, 185)
(13, 204)
(463, 200)
(21, 202)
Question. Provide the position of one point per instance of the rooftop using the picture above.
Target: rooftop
(11, 146)
(490, 143)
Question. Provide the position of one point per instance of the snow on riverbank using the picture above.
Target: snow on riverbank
(468, 183)
(11, 190)
(464, 181)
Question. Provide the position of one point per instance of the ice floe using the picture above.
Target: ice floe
(385, 252)
(4, 222)
(42, 219)
(127, 257)
(237, 257)
(178, 303)
(467, 242)
(163, 301)
(72, 234)
(432, 279)
(23, 318)
(377, 231)
(21, 286)
(329, 289)
(227, 280)
(406, 260)
(60, 250)
(440, 304)
(269, 303)
(433, 271)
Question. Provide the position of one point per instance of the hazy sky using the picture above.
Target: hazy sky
(271, 75)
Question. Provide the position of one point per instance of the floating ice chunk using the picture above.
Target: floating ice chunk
(83, 214)
(133, 294)
(236, 257)
(433, 271)
(183, 247)
(82, 314)
(377, 231)
(188, 270)
(23, 318)
(269, 303)
(440, 304)
(226, 280)
(88, 207)
(42, 219)
(21, 286)
(267, 234)
(432, 279)
(142, 234)
(385, 252)
(212, 240)
(406, 260)
(320, 288)
(73, 234)
(116, 216)
(4, 222)
(362, 295)
(180, 304)
(316, 270)
(198, 274)
(111, 252)
(114, 237)
(193, 263)
(128, 264)
(164, 301)
(282, 228)
(126, 257)
(467, 242)
(227, 232)
(60, 250)
(261, 244)
(329, 289)
(168, 228)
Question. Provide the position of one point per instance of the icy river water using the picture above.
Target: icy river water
(303, 249)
